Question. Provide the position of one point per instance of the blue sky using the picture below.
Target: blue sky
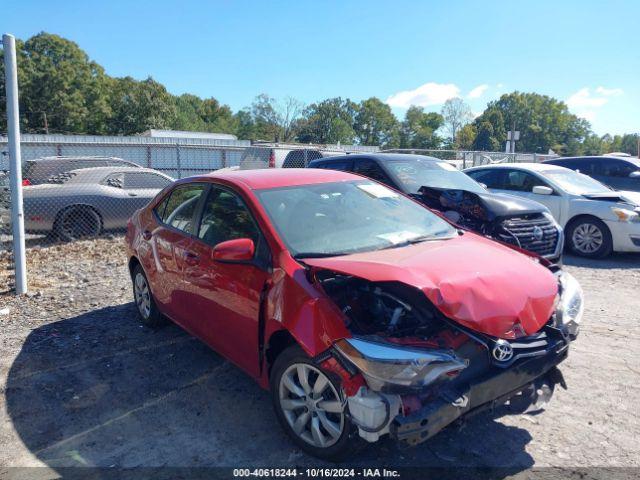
(584, 52)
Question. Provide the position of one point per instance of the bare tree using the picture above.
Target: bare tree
(289, 112)
(456, 114)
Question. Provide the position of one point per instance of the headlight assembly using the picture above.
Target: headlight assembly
(385, 366)
(571, 306)
(626, 215)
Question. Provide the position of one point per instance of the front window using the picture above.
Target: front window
(348, 217)
(575, 183)
(430, 173)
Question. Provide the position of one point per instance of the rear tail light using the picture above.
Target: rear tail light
(26, 182)
(272, 159)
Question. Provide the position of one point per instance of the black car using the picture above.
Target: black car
(619, 173)
(440, 186)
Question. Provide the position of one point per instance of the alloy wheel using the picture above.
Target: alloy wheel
(587, 238)
(143, 296)
(311, 405)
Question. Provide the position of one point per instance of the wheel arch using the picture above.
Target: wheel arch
(277, 343)
(78, 205)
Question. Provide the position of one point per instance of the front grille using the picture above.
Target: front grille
(520, 231)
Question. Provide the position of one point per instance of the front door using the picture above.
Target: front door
(224, 298)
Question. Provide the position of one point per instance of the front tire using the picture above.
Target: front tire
(589, 237)
(310, 407)
(148, 312)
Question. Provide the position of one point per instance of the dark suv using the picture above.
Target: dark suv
(440, 186)
(620, 173)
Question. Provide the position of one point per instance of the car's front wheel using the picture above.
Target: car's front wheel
(311, 408)
(589, 237)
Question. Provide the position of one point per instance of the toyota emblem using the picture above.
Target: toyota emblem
(502, 351)
(538, 233)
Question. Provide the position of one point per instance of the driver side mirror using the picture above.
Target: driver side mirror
(542, 190)
(232, 251)
(635, 174)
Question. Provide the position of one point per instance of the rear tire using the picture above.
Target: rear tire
(148, 312)
(310, 407)
(77, 223)
(589, 237)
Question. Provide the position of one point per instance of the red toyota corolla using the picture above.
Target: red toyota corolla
(363, 312)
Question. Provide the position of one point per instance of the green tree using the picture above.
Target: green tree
(375, 124)
(543, 122)
(486, 138)
(139, 106)
(418, 130)
(328, 122)
(465, 137)
(58, 82)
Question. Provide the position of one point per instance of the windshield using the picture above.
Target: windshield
(347, 217)
(415, 173)
(574, 182)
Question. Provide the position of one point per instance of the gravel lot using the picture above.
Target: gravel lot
(83, 384)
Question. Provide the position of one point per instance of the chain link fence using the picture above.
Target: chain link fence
(466, 159)
(79, 191)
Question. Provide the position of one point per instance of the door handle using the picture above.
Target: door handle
(191, 258)
(132, 194)
(146, 235)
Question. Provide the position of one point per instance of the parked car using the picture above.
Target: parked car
(39, 170)
(440, 186)
(83, 203)
(363, 312)
(615, 172)
(280, 156)
(596, 219)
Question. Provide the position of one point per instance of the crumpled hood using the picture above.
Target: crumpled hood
(478, 283)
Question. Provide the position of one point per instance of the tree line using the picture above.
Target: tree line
(63, 91)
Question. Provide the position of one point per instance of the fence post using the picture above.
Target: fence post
(178, 161)
(15, 162)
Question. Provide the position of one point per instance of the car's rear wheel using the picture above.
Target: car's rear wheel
(589, 237)
(310, 407)
(76, 223)
(146, 305)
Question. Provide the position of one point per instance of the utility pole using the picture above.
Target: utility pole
(46, 124)
(15, 162)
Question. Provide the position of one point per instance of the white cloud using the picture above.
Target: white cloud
(609, 92)
(425, 95)
(583, 102)
(478, 91)
(584, 98)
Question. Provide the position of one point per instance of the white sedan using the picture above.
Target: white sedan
(596, 219)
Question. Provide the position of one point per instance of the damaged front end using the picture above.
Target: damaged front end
(514, 221)
(410, 371)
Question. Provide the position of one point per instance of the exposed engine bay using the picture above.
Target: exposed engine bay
(462, 207)
(388, 310)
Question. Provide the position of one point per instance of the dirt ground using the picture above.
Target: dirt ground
(83, 384)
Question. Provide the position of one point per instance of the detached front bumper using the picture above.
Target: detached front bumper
(483, 393)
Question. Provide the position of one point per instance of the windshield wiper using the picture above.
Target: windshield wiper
(298, 256)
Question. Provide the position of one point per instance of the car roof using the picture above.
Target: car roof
(538, 167)
(107, 170)
(383, 157)
(633, 160)
(280, 177)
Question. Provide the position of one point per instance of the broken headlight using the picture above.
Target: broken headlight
(385, 366)
(571, 306)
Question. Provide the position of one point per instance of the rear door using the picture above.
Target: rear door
(224, 298)
(170, 242)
